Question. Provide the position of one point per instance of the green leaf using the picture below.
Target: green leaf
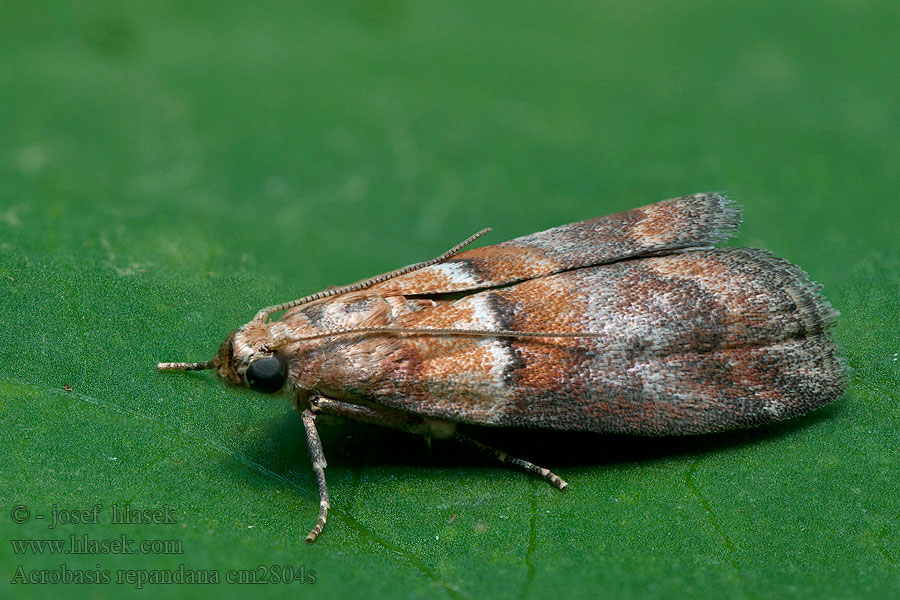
(169, 168)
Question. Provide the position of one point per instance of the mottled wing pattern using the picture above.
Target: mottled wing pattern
(692, 342)
(685, 222)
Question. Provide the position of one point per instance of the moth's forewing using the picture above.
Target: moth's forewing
(693, 342)
(685, 222)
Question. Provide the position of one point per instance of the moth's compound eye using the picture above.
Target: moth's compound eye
(267, 375)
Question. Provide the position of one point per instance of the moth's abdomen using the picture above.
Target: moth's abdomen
(693, 342)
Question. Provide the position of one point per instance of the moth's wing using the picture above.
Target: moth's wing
(685, 222)
(692, 342)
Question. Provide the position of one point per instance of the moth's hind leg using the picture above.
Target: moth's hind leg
(512, 461)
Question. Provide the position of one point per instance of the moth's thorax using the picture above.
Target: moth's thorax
(329, 364)
(319, 363)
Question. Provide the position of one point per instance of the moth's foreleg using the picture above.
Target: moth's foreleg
(518, 463)
(317, 456)
(378, 415)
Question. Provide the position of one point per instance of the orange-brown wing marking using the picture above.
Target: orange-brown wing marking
(693, 342)
(685, 222)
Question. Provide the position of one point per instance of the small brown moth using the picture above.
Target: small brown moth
(630, 323)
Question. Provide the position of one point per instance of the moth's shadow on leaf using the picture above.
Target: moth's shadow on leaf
(280, 445)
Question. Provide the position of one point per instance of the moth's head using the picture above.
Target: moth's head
(244, 359)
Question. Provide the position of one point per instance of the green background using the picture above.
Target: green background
(167, 168)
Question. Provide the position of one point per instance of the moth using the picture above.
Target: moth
(632, 323)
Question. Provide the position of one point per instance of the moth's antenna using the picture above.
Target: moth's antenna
(264, 313)
(506, 333)
(186, 366)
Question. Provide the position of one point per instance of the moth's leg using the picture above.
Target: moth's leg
(389, 417)
(379, 415)
(518, 463)
(317, 456)
(316, 405)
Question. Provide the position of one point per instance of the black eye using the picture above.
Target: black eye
(267, 375)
